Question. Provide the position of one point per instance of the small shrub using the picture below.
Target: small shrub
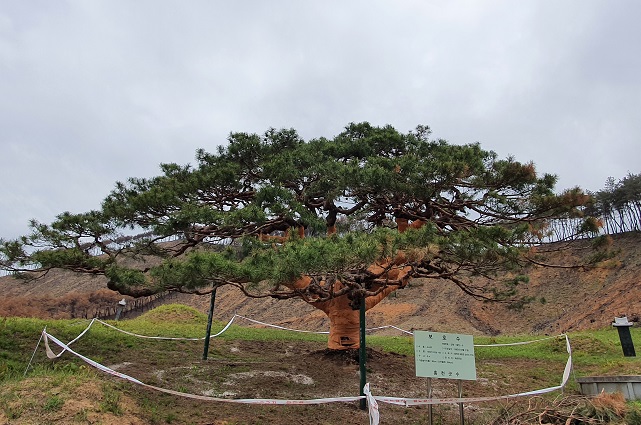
(605, 408)
(633, 417)
(12, 412)
(53, 404)
(519, 305)
(81, 416)
(110, 400)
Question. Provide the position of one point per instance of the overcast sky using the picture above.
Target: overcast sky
(93, 92)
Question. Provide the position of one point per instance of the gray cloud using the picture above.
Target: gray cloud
(95, 92)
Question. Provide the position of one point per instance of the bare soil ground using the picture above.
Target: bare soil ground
(565, 300)
(239, 369)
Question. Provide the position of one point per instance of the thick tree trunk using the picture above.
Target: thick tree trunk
(344, 320)
(344, 326)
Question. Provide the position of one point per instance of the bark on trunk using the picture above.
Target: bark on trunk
(344, 326)
(344, 321)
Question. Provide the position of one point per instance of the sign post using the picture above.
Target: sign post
(430, 413)
(623, 327)
(445, 356)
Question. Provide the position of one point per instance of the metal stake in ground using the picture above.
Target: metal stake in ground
(362, 355)
(209, 320)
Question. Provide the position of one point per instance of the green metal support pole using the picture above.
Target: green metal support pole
(209, 320)
(362, 355)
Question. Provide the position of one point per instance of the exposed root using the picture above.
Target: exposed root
(350, 356)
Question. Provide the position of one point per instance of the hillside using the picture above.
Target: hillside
(565, 299)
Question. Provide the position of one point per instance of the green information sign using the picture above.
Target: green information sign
(444, 355)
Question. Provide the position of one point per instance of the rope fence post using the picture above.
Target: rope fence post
(33, 355)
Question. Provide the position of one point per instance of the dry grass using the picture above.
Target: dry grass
(606, 408)
(69, 306)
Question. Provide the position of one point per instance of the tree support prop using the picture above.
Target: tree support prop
(362, 355)
(209, 320)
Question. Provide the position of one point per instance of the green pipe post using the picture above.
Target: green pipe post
(362, 355)
(209, 320)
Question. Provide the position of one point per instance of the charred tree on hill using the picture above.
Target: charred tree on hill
(329, 221)
(619, 204)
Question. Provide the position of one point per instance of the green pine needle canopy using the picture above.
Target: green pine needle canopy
(267, 211)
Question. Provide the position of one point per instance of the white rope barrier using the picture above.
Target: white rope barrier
(167, 337)
(32, 356)
(75, 339)
(65, 347)
(507, 344)
(318, 332)
(258, 322)
(304, 331)
(425, 401)
(372, 400)
(279, 327)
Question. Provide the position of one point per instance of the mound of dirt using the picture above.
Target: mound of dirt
(174, 313)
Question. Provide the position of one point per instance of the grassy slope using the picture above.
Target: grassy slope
(68, 391)
(565, 299)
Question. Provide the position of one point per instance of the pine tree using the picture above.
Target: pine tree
(334, 222)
